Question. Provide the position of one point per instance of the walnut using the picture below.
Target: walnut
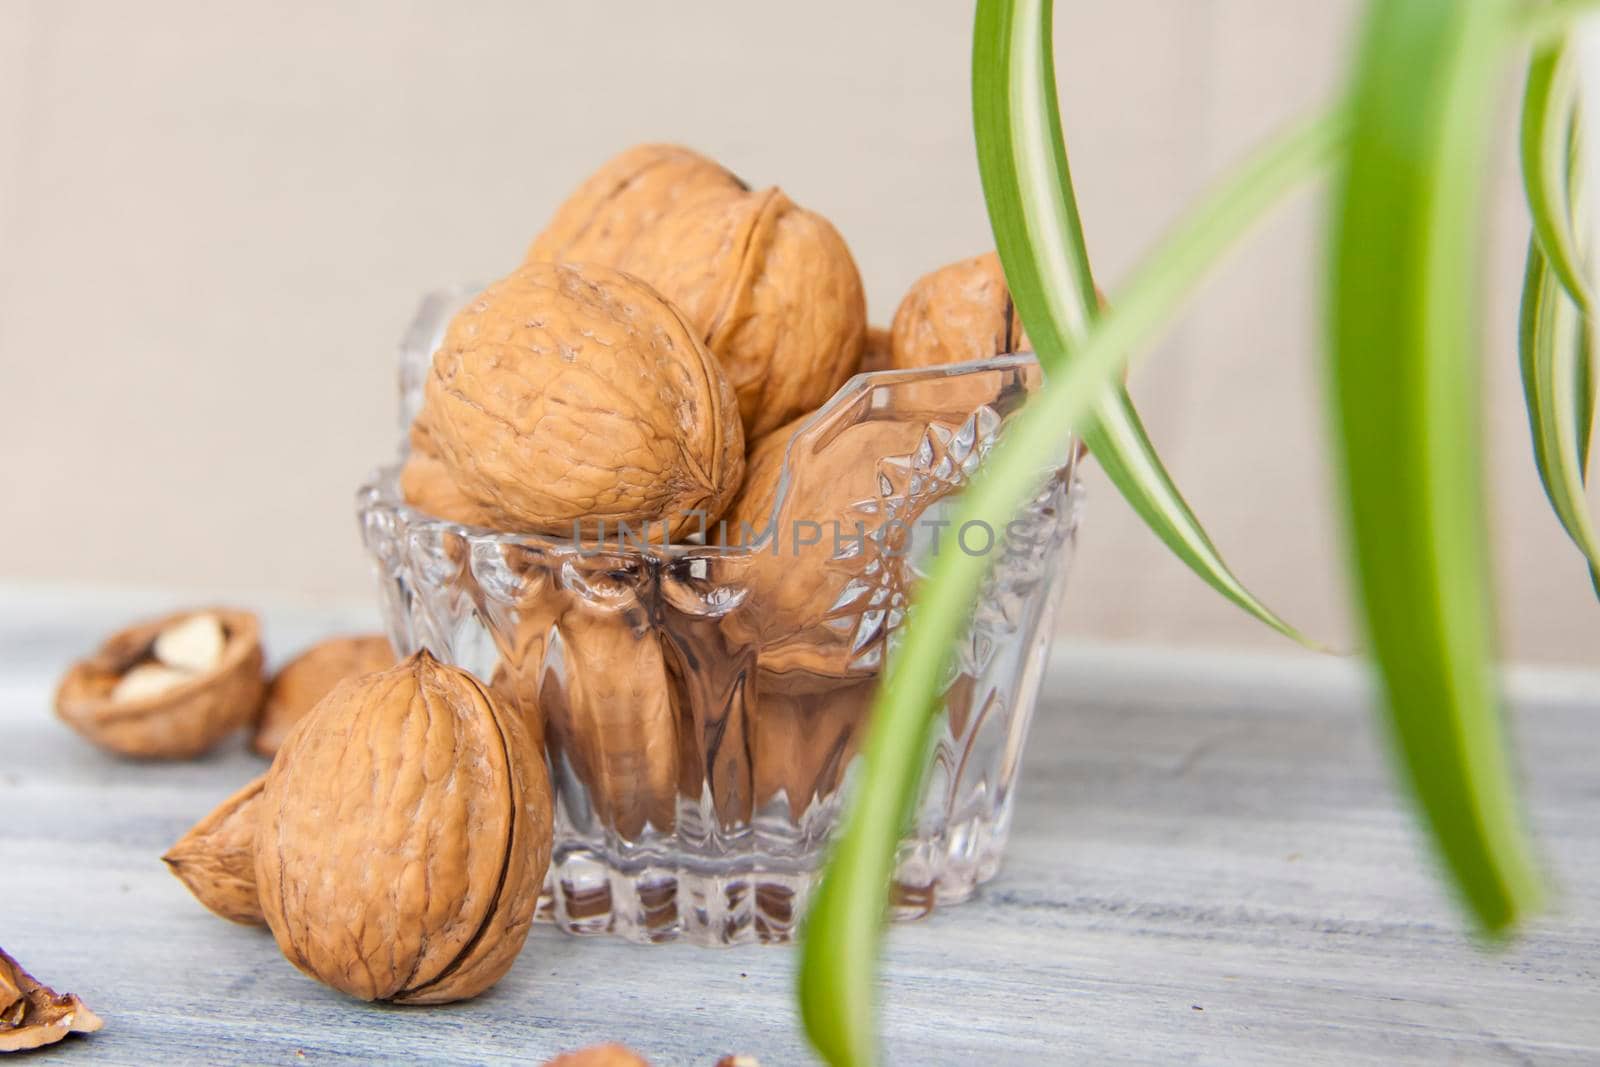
(807, 728)
(614, 719)
(607, 1055)
(128, 699)
(794, 585)
(217, 858)
(33, 1015)
(309, 677)
(626, 197)
(426, 485)
(403, 836)
(773, 291)
(569, 399)
(957, 313)
(877, 351)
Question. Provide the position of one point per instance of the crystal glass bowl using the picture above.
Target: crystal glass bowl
(701, 704)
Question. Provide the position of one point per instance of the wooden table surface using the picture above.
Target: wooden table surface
(1208, 865)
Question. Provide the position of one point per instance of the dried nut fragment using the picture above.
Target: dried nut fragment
(957, 313)
(772, 290)
(32, 1015)
(124, 698)
(795, 580)
(147, 680)
(608, 1055)
(193, 645)
(614, 719)
(568, 399)
(310, 676)
(403, 836)
(626, 197)
(217, 858)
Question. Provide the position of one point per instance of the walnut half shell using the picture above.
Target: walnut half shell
(180, 715)
(33, 1015)
(217, 858)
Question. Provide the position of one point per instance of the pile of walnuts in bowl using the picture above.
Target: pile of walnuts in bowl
(666, 334)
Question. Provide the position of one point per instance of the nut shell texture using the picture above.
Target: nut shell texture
(569, 399)
(957, 313)
(33, 1015)
(615, 721)
(427, 486)
(794, 586)
(176, 723)
(626, 197)
(404, 836)
(217, 859)
(310, 676)
(772, 289)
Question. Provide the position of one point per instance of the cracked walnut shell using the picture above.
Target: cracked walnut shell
(124, 699)
(33, 1015)
(404, 833)
(216, 859)
(566, 399)
(773, 291)
(310, 676)
(627, 196)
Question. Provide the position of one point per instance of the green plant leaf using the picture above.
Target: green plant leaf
(1547, 112)
(1405, 379)
(1117, 438)
(1544, 20)
(1028, 186)
(1555, 338)
(1557, 386)
(846, 917)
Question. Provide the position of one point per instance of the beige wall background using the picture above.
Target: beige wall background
(215, 221)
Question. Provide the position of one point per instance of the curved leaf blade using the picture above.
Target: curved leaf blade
(1120, 445)
(845, 922)
(1028, 186)
(1405, 384)
(1547, 108)
(1556, 356)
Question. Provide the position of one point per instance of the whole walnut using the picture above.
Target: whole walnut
(957, 313)
(403, 836)
(310, 676)
(771, 288)
(567, 399)
(613, 718)
(878, 350)
(629, 194)
(807, 728)
(610, 1054)
(426, 484)
(806, 551)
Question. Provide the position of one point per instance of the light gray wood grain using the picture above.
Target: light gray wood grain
(1208, 866)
